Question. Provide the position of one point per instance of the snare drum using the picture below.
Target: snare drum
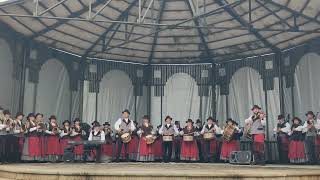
(187, 138)
(126, 137)
(167, 138)
(208, 136)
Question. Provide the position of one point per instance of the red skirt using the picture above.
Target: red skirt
(258, 143)
(21, 143)
(53, 145)
(133, 147)
(63, 144)
(107, 149)
(157, 145)
(78, 150)
(296, 150)
(228, 147)
(34, 146)
(189, 151)
(144, 148)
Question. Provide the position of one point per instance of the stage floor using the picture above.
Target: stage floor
(168, 171)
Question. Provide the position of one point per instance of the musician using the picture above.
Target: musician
(41, 135)
(11, 141)
(199, 139)
(177, 141)
(189, 150)
(146, 133)
(3, 132)
(232, 143)
(123, 125)
(65, 135)
(19, 130)
(53, 144)
(158, 145)
(311, 127)
(76, 135)
(134, 143)
(257, 125)
(167, 130)
(97, 134)
(296, 147)
(211, 128)
(282, 130)
(32, 145)
(107, 149)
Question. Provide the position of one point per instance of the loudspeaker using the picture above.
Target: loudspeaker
(240, 157)
(68, 155)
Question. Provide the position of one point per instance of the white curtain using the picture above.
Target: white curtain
(207, 106)
(246, 89)
(6, 79)
(115, 95)
(142, 105)
(307, 85)
(28, 103)
(273, 106)
(181, 99)
(221, 107)
(53, 92)
(89, 104)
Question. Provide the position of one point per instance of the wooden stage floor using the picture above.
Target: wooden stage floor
(132, 171)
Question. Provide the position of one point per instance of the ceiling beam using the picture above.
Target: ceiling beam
(155, 37)
(121, 16)
(293, 11)
(243, 23)
(62, 21)
(200, 32)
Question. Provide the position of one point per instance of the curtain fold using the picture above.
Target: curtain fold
(53, 92)
(307, 85)
(181, 99)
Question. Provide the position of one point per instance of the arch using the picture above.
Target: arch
(179, 71)
(246, 89)
(6, 75)
(181, 99)
(53, 91)
(307, 84)
(115, 95)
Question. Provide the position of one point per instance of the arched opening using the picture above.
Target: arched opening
(53, 92)
(307, 85)
(246, 89)
(115, 95)
(6, 79)
(181, 99)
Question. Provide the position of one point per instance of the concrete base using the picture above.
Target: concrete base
(146, 171)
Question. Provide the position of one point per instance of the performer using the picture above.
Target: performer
(97, 134)
(32, 149)
(311, 127)
(134, 143)
(65, 135)
(11, 141)
(158, 146)
(189, 150)
(76, 135)
(146, 133)
(282, 130)
(296, 147)
(177, 141)
(107, 149)
(199, 139)
(53, 144)
(19, 133)
(257, 124)
(168, 130)
(231, 141)
(210, 131)
(42, 136)
(123, 126)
